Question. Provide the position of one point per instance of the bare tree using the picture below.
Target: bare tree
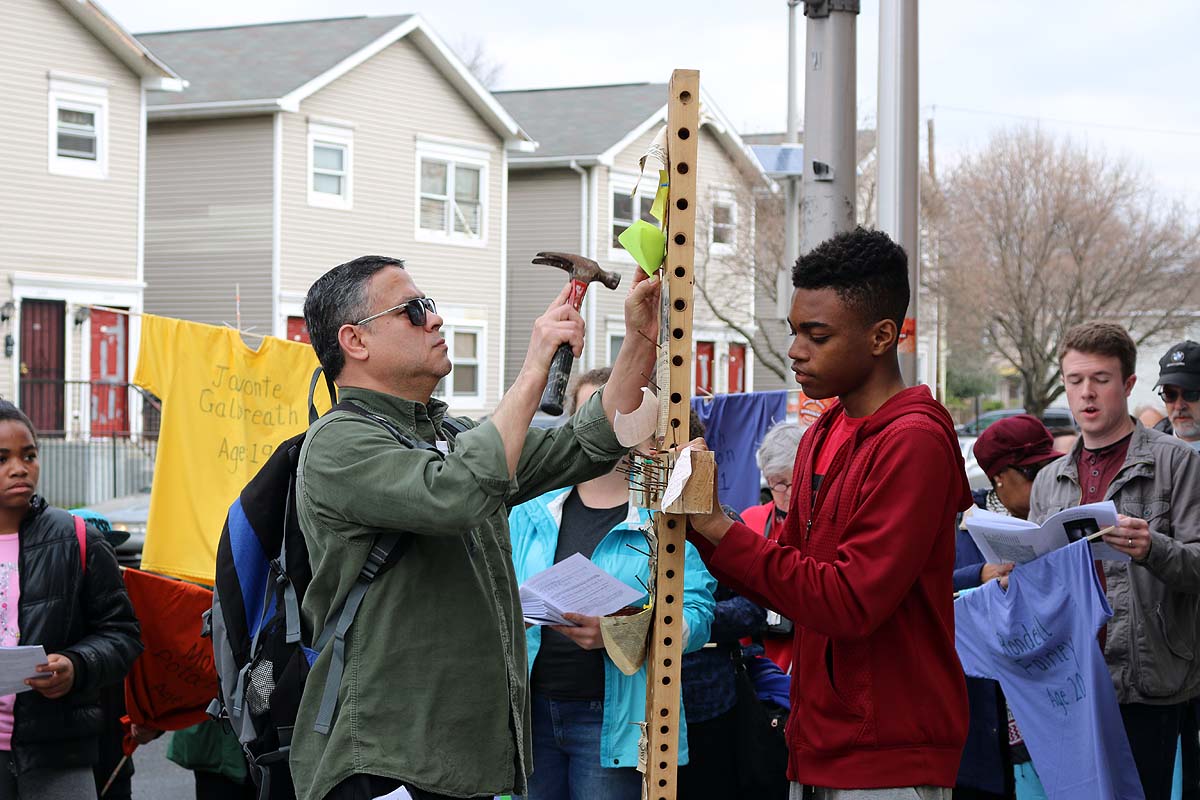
(479, 61)
(736, 275)
(1038, 234)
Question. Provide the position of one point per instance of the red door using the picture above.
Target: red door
(737, 367)
(110, 361)
(42, 364)
(705, 355)
(297, 331)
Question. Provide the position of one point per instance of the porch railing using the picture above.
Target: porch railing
(97, 439)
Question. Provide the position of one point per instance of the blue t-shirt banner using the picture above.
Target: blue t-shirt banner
(735, 425)
(1038, 640)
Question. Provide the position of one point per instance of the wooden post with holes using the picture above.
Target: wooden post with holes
(666, 633)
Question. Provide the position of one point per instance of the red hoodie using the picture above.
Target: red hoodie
(864, 570)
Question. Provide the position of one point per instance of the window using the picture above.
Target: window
(77, 132)
(465, 381)
(451, 193)
(615, 340)
(723, 228)
(330, 165)
(78, 128)
(623, 206)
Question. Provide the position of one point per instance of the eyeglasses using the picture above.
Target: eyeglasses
(781, 486)
(418, 309)
(1171, 395)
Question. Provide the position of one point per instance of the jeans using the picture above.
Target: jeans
(566, 754)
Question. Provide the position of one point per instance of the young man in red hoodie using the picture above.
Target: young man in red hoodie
(864, 564)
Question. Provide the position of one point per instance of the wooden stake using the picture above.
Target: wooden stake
(666, 635)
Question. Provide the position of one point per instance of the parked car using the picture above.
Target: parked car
(975, 474)
(1052, 418)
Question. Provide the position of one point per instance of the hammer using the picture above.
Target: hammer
(582, 271)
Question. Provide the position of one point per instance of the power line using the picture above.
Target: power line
(1078, 123)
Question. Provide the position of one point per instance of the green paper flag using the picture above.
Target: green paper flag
(646, 243)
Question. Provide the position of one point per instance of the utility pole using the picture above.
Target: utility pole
(791, 186)
(899, 133)
(828, 185)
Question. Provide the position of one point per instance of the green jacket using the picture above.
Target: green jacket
(434, 691)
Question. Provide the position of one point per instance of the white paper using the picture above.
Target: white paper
(573, 586)
(399, 794)
(1003, 539)
(17, 664)
(637, 426)
(679, 477)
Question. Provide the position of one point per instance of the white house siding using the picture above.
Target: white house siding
(208, 220)
(543, 214)
(391, 101)
(61, 226)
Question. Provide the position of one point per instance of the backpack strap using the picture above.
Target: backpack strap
(385, 544)
(81, 535)
(312, 390)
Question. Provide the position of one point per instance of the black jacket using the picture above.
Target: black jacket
(84, 615)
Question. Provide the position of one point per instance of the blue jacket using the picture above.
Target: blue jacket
(534, 530)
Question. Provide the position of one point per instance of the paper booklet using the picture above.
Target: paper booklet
(573, 586)
(1002, 539)
(17, 664)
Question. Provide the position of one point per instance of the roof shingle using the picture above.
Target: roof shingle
(581, 121)
(259, 62)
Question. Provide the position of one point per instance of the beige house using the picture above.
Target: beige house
(576, 193)
(75, 87)
(298, 146)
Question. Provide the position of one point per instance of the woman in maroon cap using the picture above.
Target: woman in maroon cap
(995, 763)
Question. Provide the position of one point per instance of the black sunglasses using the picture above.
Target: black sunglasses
(1171, 395)
(417, 309)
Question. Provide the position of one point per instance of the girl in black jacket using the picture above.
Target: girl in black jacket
(66, 595)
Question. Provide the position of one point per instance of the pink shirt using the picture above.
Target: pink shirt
(10, 634)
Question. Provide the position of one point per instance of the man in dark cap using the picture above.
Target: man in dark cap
(1179, 387)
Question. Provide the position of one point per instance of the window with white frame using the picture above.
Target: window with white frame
(464, 384)
(615, 340)
(723, 224)
(78, 128)
(452, 193)
(625, 205)
(330, 165)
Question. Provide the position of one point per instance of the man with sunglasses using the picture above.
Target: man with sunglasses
(1179, 387)
(433, 694)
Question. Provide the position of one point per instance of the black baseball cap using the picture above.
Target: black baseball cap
(1180, 366)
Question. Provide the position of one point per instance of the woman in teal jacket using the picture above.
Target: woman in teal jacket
(585, 710)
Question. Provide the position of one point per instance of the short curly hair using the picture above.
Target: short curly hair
(866, 268)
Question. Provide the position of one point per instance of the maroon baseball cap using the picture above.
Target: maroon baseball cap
(1014, 442)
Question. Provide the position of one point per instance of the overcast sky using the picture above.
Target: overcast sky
(1117, 75)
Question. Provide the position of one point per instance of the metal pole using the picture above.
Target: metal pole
(827, 187)
(899, 133)
(791, 186)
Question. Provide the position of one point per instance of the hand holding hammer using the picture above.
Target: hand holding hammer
(582, 271)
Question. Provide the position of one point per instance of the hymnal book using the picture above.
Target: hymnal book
(1011, 540)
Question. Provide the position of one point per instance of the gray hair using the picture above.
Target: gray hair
(337, 298)
(777, 453)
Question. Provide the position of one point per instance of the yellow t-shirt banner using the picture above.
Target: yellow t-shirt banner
(225, 407)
